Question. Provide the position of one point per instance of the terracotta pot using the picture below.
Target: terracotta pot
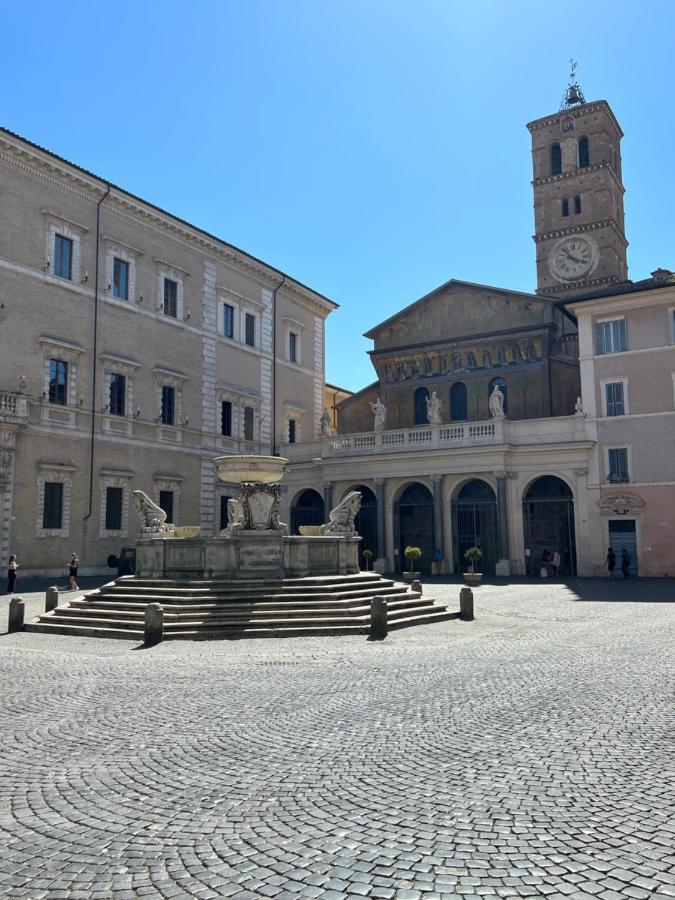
(411, 576)
(473, 578)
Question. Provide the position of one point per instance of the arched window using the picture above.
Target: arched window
(501, 384)
(565, 207)
(583, 153)
(556, 159)
(577, 204)
(421, 395)
(458, 404)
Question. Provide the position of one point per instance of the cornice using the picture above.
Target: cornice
(576, 113)
(580, 229)
(40, 163)
(580, 286)
(574, 173)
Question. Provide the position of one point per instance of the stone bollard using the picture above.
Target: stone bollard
(416, 586)
(17, 609)
(378, 619)
(154, 624)
(466, 604)
(51, 598)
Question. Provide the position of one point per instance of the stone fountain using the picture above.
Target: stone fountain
(255, 544)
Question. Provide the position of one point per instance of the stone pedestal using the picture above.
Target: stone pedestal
(503, 568)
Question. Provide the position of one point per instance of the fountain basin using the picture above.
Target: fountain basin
(235, 469)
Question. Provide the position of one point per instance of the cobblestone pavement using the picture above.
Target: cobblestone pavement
(524, 754)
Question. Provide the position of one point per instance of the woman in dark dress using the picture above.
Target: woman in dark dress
(72, 572)
(611, 562)
(12, 569)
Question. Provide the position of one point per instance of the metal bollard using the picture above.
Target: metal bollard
(51, 598)
(416, 586)
(154, 624)
(17, 609)
(378, 619)
(466, 604)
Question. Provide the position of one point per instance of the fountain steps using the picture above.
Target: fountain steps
(220, 609)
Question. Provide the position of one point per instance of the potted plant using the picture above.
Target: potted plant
(412, 554)
(472, 555)
(367, 556)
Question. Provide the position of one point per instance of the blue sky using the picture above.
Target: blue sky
(370, 148)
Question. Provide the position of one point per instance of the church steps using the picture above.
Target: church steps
(168, 597)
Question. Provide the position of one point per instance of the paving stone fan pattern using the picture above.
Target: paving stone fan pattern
(526, 754)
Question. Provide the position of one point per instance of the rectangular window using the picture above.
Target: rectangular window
(224, 518)
(63, 257)
(293, 347)
(610, 337)
(228, 320)
(52, 512)
(168, 415)
(58, 382)
(614, 396)
(166, 502)
(617, 459)
(250, 330)
(248, 423)
(577, 204)
(113, 509)
(565, 207)
(226, 418)
(170, 298)
(120, 279)
(118, 390)
(291, 431)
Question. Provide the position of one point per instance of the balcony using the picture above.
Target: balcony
(491, 432)
(13, 408)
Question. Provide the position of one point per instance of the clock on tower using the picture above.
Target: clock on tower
(578, 197)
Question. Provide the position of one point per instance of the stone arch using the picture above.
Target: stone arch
(548, 524)
(474, 523)
(307, 509)
(414, 524)
(366, 522)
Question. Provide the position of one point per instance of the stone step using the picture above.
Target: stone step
(229, 608)
(166, 597)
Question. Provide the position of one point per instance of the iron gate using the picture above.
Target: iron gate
(474, 524)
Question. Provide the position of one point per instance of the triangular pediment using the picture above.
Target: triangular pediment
(461, 309)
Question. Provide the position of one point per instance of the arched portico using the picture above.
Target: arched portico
(414, 525)
(548, 524)
(366, 522)
(307, 509)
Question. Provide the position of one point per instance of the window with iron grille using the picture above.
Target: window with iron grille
(617, 458)
(170, 298)
(228, 320)
(58, 382)
(615, 399)
(118, 390)
(52, 511)
(226, 418)
(250, 330)
(293, 347)
(168, 414)
(610, 337)
(248, 423)
(166, 502)
(291, 431)
(120, 278)
(63, 257)
(113, 508)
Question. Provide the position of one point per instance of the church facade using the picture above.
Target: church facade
(481, 428)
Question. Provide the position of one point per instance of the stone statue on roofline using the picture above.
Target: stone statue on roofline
(496, 403)
(434, 409)
(380, 413)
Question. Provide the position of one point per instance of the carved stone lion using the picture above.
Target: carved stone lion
(153, 517)
(341, 518)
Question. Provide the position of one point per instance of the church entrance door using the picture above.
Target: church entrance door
(548, 520)
(365, 523)
(307, 510)
(474, 524)
(414, 520)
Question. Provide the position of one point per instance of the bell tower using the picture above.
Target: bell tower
(578, 197)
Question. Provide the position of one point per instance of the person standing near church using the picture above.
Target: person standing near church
(12, 570)
(73, 566)
(625, 563)
(611, 562)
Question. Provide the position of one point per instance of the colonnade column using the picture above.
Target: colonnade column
(327, 498)
(439, 536)
(503, 567)
(380, 562)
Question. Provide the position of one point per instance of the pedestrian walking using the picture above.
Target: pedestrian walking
(625, 563)
(72, 572)
(545, 560)
(611, 562)
(12, 570)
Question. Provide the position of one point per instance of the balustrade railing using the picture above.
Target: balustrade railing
(465, 434)
(13, 406)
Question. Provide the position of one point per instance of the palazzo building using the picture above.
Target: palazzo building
(441, 471)
(135, 348)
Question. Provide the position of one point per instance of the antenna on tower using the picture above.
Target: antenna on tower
(574, 96)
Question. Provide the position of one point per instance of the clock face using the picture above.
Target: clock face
(573, 258)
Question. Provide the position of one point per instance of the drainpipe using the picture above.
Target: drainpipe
(92, 437)
(273, 423)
